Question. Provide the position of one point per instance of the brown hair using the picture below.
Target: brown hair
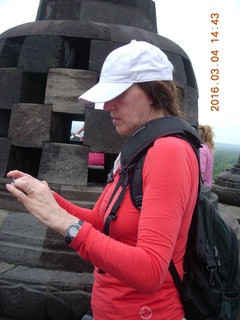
(165, 96)
(207, 135)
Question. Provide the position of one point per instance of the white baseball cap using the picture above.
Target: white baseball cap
(136, 62)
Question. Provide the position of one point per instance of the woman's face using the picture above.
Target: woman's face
(131, 110)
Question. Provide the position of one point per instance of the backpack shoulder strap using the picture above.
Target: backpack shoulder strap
(141, 140)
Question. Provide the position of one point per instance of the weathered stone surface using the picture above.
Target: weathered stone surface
(39, 53)
(9, 52)
(228, 180)
(65, 85)
(191, 79)
(140, 14)
(190, 105)
(10, 86)
(33, 87)
(179, 74)
(24, 159)
(64, 164)
(227, 195)
(3, 215)
(5, 115)
(100, 134)
(93, 30)
(30, 124)
(15, 301)
(98, 52)
(227, 185)
(5, 145)
(24, 241)
(34, 293)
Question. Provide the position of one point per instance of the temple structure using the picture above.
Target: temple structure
(227, 185)
(44, 66)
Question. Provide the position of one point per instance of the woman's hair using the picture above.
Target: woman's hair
(207, 135)
(165, 96)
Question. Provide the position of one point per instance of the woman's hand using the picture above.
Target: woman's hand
(38, 199)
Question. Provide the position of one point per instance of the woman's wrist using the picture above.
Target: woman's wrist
(62, 222)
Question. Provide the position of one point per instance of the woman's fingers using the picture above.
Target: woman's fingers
(16, 174)
(21, 196)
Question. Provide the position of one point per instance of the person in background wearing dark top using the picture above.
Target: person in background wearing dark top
(206, 153)
(136, 87)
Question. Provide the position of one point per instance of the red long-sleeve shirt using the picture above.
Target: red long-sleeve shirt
(136, 255)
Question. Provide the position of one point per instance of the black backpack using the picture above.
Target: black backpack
(210, 288)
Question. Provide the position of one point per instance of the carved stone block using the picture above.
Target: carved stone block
(39, 53)
(64, 164)
(179, 74)
(99, 51)
(190, 105)
(100, 134)
(5, 145)
(30, 125)
(10, 86)
(9, 52)
(65, 85)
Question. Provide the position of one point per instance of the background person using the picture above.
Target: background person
(136, 87)
(206, 153)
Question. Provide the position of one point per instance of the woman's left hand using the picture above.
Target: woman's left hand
(38, 199)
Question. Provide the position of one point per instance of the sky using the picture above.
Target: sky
(187, 23)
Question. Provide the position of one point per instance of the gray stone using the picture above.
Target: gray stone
(5, 145)
(93, 30)
(98, 52)
(15, 301)
(30, 124)
(33, 87)
(52, 294)
(64, 164)
(83, 196)
(140, 14)
(82, 193)
(100, 134)
(4, 122)
(24, 241)
(179, 74)
(190, 105)
(64, 86)
(39, 53)
(227, 195)
(3, 215)
(228, 179)
(9, 52)
(10, 86)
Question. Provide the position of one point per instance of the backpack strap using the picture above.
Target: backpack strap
(133, 155)
(123, 181)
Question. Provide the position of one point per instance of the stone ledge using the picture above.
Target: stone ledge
(39, 294)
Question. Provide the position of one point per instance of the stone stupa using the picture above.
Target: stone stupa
(44, 66)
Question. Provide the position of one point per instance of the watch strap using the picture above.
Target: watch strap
(76, 225)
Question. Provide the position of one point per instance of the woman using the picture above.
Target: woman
(206, 153)
(135, 87)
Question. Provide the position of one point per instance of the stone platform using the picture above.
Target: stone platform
(37, 266)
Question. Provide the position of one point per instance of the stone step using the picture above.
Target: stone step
(81, 196)
(40, 294)
(235, 170)
(27, 242)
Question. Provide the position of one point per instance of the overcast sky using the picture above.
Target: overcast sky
(187, 23)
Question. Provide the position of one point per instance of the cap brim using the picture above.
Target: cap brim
(103, 92)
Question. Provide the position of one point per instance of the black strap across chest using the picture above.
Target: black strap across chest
(133, 155)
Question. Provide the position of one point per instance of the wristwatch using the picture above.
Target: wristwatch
(72, 231)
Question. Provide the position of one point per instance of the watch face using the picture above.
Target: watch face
(73, 231)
